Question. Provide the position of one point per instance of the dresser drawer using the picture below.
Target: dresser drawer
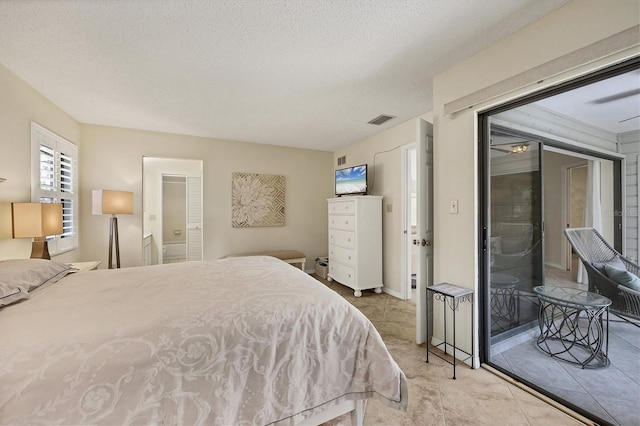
(346, 223)
(342, 238)
(342, 207)
(343, 255)
(341, 273)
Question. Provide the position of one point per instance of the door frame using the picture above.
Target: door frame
(425, 231)
(407, 244)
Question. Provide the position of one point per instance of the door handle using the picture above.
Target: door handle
(426, 243)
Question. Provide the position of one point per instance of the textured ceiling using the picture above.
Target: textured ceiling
(297, 73)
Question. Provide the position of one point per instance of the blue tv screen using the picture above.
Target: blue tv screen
(352, 180)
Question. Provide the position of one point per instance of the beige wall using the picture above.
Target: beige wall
(19, 105)
(383, 154)
(111, 158)
(572, 27)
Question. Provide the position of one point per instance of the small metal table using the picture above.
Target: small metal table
(561, 334)
(451, 295)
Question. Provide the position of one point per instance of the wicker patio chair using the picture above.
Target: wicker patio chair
(592, 248)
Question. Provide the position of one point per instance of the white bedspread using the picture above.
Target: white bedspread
(238, 341)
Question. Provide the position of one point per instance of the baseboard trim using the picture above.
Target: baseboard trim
(391, 292)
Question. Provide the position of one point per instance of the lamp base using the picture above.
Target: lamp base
(113, 240)
(40, 249)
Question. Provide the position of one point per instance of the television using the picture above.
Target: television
(351, 180)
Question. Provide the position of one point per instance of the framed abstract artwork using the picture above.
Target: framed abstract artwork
(257, 200)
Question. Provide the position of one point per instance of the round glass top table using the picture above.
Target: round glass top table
(574, 325)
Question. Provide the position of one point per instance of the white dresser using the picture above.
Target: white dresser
(355, 242)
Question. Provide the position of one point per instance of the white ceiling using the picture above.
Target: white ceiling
(612, 104)
(305, 73)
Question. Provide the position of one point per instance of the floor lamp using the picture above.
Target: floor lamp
(37, 221)
(105, 201)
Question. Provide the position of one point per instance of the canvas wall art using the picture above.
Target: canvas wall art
(257, 200)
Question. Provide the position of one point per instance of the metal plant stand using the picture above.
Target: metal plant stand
(451, 295)
(574, 325)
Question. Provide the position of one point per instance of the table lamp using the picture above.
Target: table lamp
(106, 201)
(37, 221)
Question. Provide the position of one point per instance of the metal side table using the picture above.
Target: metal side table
(451, 295)
(574, 325)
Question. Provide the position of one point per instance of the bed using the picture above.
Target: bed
(238, 341)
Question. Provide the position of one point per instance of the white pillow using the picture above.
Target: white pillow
(10, 294)
(29, 274)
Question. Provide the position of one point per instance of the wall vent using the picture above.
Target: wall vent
(342, 160)
(381, 119)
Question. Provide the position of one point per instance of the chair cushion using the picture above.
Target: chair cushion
(623, 277)
(615, 262)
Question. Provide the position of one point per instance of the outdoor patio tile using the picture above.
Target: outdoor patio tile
(528, 362)
(625, 412)
(623, 333)
(603, 382)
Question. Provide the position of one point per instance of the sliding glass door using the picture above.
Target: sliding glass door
(527, 155)
(515, 231)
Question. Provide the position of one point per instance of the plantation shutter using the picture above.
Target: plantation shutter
(55, 180)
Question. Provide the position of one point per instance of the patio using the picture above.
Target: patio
(612, 393)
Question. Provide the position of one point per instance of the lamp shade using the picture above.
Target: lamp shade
(34, 220)
(105, 201)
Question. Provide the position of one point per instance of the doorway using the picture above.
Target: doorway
(529, 156)
(172, 210)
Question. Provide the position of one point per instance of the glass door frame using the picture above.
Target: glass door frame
(484, 201)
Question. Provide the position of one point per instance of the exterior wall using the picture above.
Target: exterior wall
(630, 146)
(19, 105)
(575, 26)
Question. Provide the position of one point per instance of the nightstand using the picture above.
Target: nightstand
(85, 266)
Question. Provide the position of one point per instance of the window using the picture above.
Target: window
(54, 174)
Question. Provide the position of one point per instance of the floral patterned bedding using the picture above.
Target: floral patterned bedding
(247, 340)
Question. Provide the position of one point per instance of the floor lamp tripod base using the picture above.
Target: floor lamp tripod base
(113, 235)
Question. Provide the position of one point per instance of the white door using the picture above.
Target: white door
(409, 255)
(194, 218)
(424, 276)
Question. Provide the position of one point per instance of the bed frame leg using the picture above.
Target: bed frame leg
(357, 415)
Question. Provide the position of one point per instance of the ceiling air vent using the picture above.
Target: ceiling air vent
(342, 160)
(381, 119)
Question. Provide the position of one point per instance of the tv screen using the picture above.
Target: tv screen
(351, 180)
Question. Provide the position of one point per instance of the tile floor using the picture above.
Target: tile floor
(476, 397)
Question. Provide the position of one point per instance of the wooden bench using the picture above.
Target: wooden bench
(289, 256)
